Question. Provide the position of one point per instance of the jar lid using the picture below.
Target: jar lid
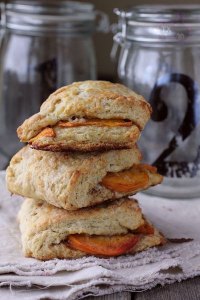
(159, 23)
(55, 16)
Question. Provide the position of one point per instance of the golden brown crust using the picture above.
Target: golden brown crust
(85, 139)
(61, 251)
(60, 147)
(31, 126)
(70, 181)
(89, 99)
(114, 217)
(45, 228)
(66, 180)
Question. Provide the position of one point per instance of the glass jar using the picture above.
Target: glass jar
(160, 59)
(45, 45)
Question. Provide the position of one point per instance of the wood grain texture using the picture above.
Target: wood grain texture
(185, 290)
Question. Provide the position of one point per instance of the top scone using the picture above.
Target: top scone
(87, 116)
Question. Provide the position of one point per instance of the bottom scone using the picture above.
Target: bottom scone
(111, 229)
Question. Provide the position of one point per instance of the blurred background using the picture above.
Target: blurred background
(105, 67)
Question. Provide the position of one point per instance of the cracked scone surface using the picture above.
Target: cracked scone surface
(70, 181)
(88, 99)
(45, 228)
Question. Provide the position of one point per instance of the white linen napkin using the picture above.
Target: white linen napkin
(27, 278)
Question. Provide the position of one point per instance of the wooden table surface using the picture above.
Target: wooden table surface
(185, 290)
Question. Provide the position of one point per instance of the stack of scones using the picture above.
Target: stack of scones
(77, 171)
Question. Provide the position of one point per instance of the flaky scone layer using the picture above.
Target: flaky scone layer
(45, 228)
(88, 138)
(69, 181)
(87, 99)
(72, 181)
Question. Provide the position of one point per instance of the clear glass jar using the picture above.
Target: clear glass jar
(160, 59)
(44, 46)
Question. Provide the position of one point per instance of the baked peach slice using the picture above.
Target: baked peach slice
(129, 180)
(47, 132)
(103, 245)
(97, 122)
(146, 229)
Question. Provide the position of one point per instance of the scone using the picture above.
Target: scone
(112, 229)
(87, 116)
(75, 180)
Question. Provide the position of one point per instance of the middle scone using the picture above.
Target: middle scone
(73, 181)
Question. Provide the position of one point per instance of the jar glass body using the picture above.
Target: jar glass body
(33, 66)
(168, 76)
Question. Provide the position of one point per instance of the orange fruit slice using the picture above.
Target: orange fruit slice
(103, 245)
(47, 132)
(97, 122)
(126, 181)
(145, 229)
